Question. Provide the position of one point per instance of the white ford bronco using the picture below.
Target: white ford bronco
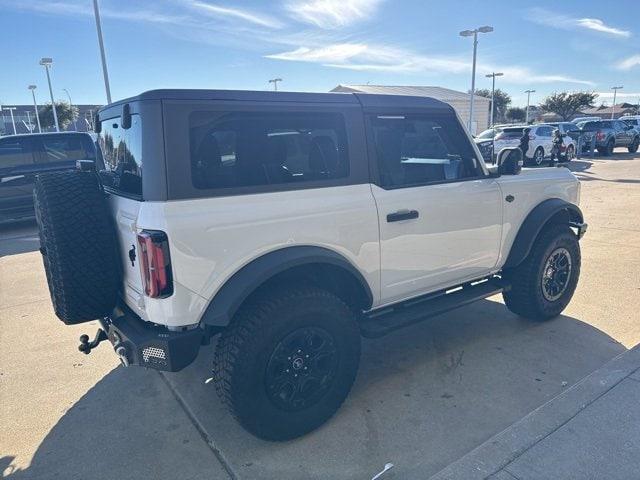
(288, 226)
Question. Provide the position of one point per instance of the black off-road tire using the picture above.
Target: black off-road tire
(633, 148)
(538, 159)
(78, 245)
(526, 297)
(245, 350)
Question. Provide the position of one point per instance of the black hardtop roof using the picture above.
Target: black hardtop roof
(364, 99)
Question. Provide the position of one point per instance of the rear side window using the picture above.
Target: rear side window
(122, 155)
(61, 148)
(513, 132)
(544, 131)
(251, 149)
(14, 152)
(419, 150)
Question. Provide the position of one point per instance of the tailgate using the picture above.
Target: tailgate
(125, 213)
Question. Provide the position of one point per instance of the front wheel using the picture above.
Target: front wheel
(633, 148)
(543, 284)
(288, 360)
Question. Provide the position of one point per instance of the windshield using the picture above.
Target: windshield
(589, 125)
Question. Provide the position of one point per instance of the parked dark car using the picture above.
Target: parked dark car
(22, 157)
(610, 134)
(484, 141)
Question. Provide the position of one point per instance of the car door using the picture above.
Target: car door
(16, 175)
(623, 134)
(440, 215)
(544, 139)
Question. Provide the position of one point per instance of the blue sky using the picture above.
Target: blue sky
(316, 44)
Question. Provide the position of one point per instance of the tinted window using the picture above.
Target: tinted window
(632, 122)
(249, 149)
(121, 152)
(14, 152)
(513, 132)
(419, 150)
(544, 131)
(590, 125)
(60, 148)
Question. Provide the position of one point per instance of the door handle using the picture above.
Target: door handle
(402, 215)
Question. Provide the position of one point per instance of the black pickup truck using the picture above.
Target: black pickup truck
(22, 157)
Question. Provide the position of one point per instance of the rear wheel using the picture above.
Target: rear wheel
(538, 156)
(607, 150)
(633, 148)
(543, 284)
(287, 362)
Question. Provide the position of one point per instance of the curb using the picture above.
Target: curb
(504, 447)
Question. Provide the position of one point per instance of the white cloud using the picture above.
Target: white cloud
(629, 63)
(236, 13)
(332, 13)
(566, 22)
(599, 26)
(382, 58)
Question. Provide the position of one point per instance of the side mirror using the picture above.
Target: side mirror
(510, 161)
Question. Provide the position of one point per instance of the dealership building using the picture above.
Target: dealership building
(460, 101)
(25, 119)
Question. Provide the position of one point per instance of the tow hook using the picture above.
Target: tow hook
(86, 346)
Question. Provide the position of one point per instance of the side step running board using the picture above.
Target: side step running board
(378, 323)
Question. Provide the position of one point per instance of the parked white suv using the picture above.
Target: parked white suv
(540, 141)
(289, 225)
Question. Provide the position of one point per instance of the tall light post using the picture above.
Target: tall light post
(13, 121)
(35, 105)
(526, 116)
(474, 34)
(613, 107)
(46, 63)
(275, 83)
(493, 76)
(105, 74)
(75, 125)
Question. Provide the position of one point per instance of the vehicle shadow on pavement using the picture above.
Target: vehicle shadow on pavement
(424, 397)
(18, 237)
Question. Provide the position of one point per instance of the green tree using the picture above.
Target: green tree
(516, 114)
(502, 100)
(567, 105)
(66, 115)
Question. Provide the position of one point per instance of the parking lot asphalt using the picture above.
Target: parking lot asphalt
(425, 396)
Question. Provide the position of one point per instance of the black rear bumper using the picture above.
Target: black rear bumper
(141, 343)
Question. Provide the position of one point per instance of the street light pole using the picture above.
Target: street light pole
(275, 83)
(13, 121)
(528, 92)
(474, 34)
(35, 105)
(75, 125)
(46, 63)
(105, 73)
(493, 76)
(613, 107)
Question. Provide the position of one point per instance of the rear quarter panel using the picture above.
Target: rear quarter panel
(212, 238)
(530, 188)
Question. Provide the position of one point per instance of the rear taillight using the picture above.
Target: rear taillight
(599, 135)
(155, 263)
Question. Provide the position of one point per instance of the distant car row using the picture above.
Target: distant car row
(609, 134)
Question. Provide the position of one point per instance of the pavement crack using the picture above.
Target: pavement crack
(200, 428)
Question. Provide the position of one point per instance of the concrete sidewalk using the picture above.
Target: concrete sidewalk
(592, 430)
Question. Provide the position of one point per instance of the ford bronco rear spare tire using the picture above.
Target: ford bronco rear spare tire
(543, 284)
(78, 245)
(287, 361)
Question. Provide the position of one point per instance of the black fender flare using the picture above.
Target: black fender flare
(535, 221)
(245, 281)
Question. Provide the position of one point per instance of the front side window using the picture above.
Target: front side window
(255, 149)
(14, 152)
(419, 150)
(122, 155)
